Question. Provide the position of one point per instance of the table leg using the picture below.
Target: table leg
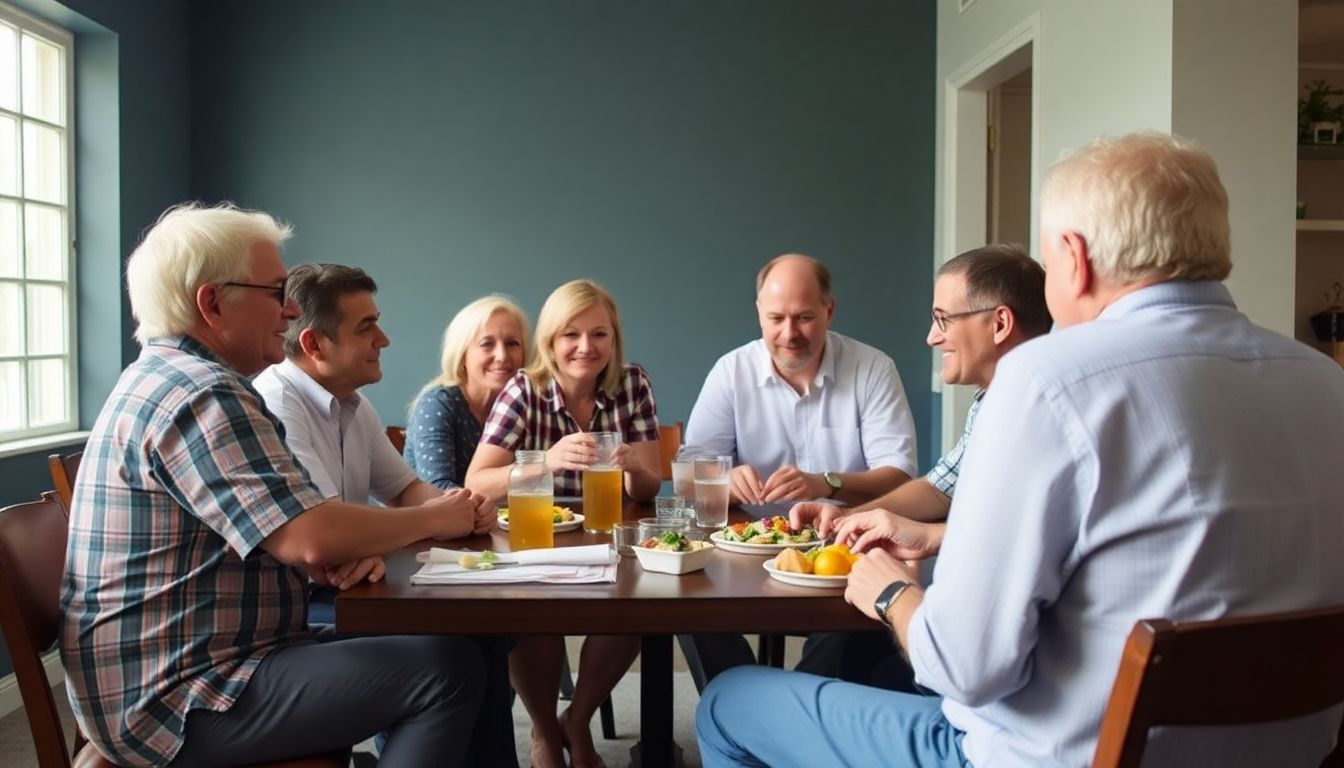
(655, 748)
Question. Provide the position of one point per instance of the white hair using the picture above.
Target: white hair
(1147, 205)
(189, 246)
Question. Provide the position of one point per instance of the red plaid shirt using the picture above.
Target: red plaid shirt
(527, 419)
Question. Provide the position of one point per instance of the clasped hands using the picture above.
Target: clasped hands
(788, 483)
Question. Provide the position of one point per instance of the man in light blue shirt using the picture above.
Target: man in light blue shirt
(1157, 456)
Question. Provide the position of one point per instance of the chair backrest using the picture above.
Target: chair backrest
(1194, 673)
(669, 442)
(63, 471)
(32, 560)
(398, 437)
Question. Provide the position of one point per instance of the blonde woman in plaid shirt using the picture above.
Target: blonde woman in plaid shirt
(578, 384)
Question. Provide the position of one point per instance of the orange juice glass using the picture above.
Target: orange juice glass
(601, 498)
(530, 521)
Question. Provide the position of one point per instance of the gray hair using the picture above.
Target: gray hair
(1147, 204)
(189, 246)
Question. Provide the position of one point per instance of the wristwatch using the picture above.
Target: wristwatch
(833, 480)
(887, 596)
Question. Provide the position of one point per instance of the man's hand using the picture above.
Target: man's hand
(573, 451)
(871, 574)
(746, 484)
(457, 512)
(900, 537)
(824, 517)
(790, 483)
(484, 518)
(346, 576)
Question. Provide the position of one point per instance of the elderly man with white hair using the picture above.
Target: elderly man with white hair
(1157, 456)
(194, 531)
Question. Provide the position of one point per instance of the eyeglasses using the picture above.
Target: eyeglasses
(278, 290)
(940, 318)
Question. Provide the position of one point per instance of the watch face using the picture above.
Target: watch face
(832, 479)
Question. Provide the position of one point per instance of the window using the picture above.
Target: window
(37, 297)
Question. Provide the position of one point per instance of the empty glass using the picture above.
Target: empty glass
(672, 508)
(624, 537)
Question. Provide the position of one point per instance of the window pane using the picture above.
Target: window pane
(9, 68)
(42, 234)
(46, 320)
(11, 320)
(9, 155)
(9, 239)
(43, 171)
(11, 394)
(46, 390)
(43, 94)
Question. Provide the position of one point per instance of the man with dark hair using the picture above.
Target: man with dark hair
(986, 302)
(332, 349)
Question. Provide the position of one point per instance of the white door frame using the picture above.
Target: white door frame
(965, 124)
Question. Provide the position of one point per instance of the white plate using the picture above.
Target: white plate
(568, 525)
(743, 548)
(805, 579)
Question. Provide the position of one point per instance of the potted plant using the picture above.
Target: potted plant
(1318, 116)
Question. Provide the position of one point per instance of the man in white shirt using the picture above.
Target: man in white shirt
(331, 350)
(1156, 456)
(805, 413)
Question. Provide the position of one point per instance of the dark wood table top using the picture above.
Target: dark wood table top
(732, 594)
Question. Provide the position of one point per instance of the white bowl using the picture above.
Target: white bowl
(666, 561)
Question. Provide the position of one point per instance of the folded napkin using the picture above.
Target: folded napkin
(564, 565)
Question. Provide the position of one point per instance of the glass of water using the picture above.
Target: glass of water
(711, 490)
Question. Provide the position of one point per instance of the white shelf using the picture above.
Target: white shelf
(1320, 225)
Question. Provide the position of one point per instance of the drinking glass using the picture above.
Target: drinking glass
(624, 537)
(670, 507)
(602, 485)
(711, 490)
(683, 478)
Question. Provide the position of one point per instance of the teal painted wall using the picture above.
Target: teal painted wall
(666, 149)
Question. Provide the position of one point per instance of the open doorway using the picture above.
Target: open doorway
(990, 180)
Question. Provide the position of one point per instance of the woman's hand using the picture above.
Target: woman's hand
(575, 451)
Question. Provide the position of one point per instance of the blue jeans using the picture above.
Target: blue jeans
(761, 716)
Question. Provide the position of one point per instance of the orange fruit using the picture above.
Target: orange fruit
(831, 562)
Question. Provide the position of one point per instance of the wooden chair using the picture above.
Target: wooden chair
(32, 560)
(63, 471)
(1181, 674)
(669, 442)
(398, 437)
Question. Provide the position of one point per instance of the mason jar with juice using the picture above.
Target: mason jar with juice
(602, 482)
(531, 498)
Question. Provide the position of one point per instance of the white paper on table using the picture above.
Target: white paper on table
(452, 573)
(594, 554)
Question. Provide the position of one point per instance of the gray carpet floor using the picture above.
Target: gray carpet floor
(16, 746)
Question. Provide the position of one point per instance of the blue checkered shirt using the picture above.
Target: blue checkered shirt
(169, 604)
(944, 474)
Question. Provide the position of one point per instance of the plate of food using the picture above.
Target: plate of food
(763, 537)
(825, 567)
(564, 519)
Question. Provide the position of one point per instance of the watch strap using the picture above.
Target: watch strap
(889, 594)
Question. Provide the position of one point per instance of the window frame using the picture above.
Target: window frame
(17, 439)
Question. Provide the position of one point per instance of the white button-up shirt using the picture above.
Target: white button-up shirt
(854, 416)
(342, 443)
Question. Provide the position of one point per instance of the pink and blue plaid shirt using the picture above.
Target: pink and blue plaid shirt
(525, 418)
(169, 603)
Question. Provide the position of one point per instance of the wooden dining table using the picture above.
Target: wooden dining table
(732, 594)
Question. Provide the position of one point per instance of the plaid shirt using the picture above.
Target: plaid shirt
(944, 474)
(168, 603)
(526, 419)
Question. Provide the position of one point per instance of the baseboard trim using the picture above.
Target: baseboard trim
(10, 698)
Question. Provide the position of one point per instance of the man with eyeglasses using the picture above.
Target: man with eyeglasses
(1157, 455)
(986, 302)
(194, 532)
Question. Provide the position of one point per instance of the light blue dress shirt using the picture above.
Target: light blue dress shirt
(1169, 459)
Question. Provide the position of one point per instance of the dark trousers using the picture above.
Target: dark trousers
(869, 658)
(314, 697)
